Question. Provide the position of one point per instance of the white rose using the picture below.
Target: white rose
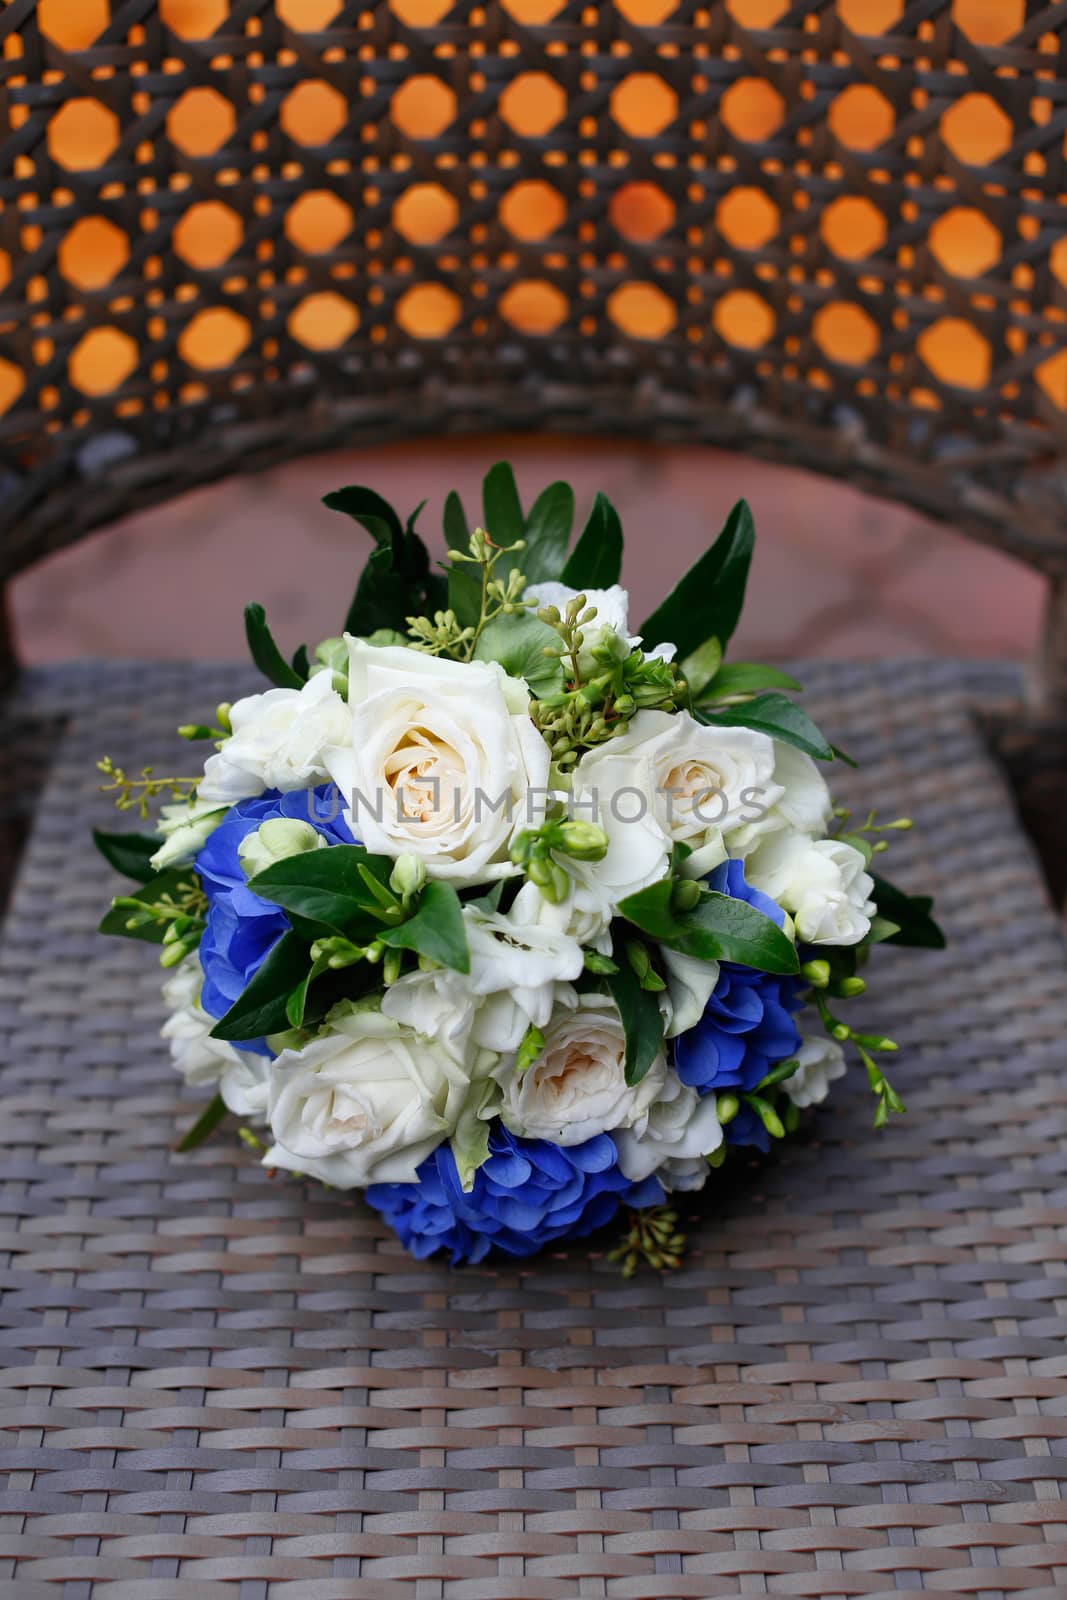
(519, 972)
(612, 611)
(241, 1075)
(822, 1061)
(277, 742)
(803, 805)
(672, 1138)
(442, 761)
(670, 780)
(363, 1103)
(577, 1086)
(823, 883)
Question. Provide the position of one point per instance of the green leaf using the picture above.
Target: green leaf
(743, 677)
(596, 560)
(642, 1020)
(261, 1008)
(709, 598)
(326, 887)
(501, 507)
(781, 718)
(699, 668)
(369, 510)
(170, 882)
(881, 929)
(548, 533)
(518, 643)
(296, 1004)
(436, 931)
(396, 582)
(911, 913)
(128, 853)
(465, 592)
(204, 1126)
(457, 533)
(301, 664)
(718, 928)
(265, 653)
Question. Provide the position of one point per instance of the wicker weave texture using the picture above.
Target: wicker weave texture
(222, 1387)
(829, 231)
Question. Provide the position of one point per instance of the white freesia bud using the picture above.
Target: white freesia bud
(690, 984)
(186, 829)
(276, 840)
(822, 1061)
(577, 1086)
(277, 742)
(672, 1138)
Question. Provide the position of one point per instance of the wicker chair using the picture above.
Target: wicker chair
(824, 234)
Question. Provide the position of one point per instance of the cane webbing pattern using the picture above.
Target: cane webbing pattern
(828, 231)
(219, 1386)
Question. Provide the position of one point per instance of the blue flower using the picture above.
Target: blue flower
(747, 1024)
(241, 928)
(747, 1128)
(526, 1195)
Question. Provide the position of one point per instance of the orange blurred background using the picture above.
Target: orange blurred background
(94, 252)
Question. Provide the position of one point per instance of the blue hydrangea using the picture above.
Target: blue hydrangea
(241, 928)
(747, 1128)
(527, 1194)
(747, 1024)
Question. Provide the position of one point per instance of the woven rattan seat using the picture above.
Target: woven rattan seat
(224, 1386)
(826, 232)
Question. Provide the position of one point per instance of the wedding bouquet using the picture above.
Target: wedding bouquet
(503, 914)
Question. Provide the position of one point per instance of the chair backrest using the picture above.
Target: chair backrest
(828, 233)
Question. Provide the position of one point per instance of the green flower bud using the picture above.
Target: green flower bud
(533, 1042)
(582, 840)
(276, 840)
(172, 954)
(408, 876)
(849, 988)
(727, 1106)
(817, 973)
(685, 894)
(637, 956)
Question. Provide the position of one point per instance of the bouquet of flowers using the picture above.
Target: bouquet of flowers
(501, 913)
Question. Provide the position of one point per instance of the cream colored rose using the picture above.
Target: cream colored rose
(670, 780)
(577, 1086)
(443, 761)
(363, 1103)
